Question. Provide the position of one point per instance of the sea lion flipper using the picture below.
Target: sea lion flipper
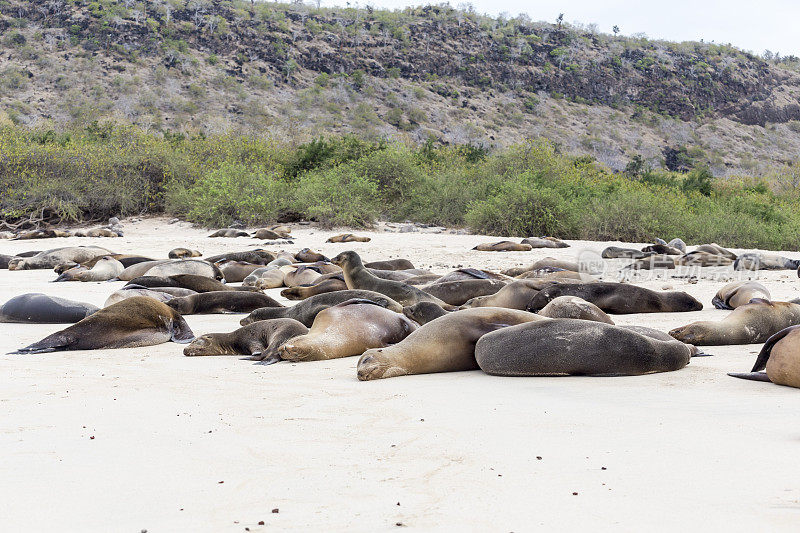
(754, 376)
(271, 360)
(719, 303)
(181, 332)
(766, 350)
(702, 354)
(474, 272)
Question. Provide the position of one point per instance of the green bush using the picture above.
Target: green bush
(335, 197)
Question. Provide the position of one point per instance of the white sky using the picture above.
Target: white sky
(754, 26)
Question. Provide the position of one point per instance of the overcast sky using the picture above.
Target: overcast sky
(756, 26)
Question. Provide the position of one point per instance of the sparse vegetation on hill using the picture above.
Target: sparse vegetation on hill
(522, 190)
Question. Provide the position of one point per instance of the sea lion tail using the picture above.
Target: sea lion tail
(52, 343)
(753, 376)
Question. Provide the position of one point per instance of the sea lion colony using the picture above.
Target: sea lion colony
(547, 319)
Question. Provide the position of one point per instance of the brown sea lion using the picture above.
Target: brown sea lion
(271, 234)
(446, 344)
(739, 293)
(125, 259)
(716, 249)
(37, 308)
(653, 262)
(332, 284)
(256, 257)
(221, 302)
(267, 277)
(301, 275)
(307, 255)
(615, 252)
(759, 261)
(236, 271)
(515, 295)
(96, 232)
(460, 292)
(186, 281)
(195, 267)
(565, 276)
(751, 323)
(462, 274)
(545, 242)
(703, 259)
(574, 307)
(618, 298)
(131, 323)
(780, 357)
(678, 244)
(348, 237)
(139, 269)
(124, 294)
(105, 269)
(565, 346)
(42, 234)
(183, 253)
(57, 256)
(260, 340)
(348, 329)
(423, 312)
(503, 246)
(547, 262)
(229, 232)
(661, 249)
(390, 264)
(308, 309)
(357, 277)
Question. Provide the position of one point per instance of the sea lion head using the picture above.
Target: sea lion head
(690, 334)
(17, 263)
(686, 302)
(423, 312)
(206, 345)
(347, 260)
(182, 304)
(377, 364)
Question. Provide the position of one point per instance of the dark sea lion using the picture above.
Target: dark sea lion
(56, 256)
(105, 269)
(565, 346)
(780, 357)
(739, 293)
(446, 344)
(357, 277)
(759, 261)
(460, 292)
(615, 252)
(423, 312)
(260, 340)
(37, 308)
(271, 234)
(545, 242)
(390, 264)
(331, 284)
(564, 276)
(503, 246)
(256, 257)
(653, 262)
(618, 298)
(703, 259)
(661, 249)
(4, 259)
(41, 234)
(221, 302)
(187, 281)
(422, 279)
(194, 267)
(716, 249)
(574, 307)
(183, 253)
(515, 295)
(462, 274)
(236, 271)
(131, 323)
(678, 244)
(229, 232)
(348, 237)
(308, 309)
(348, 329)
(751, 323)
(97, 232)
(307, 255)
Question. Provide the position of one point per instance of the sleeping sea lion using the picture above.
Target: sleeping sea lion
(56, 256)
(271, 234)
(545, 242)
(759, 261)
(738, 293)
(195, 267)
(618, 298)
(678, 244)
(131, 323)
(236, 271)
(183, 253)
(332, 284)
(423, 312)
(41, 234)
(37, 308)
(661, 249)
(653, 262)
(348, 237)
(307, 255)
(716, 249)
(615, 252)
(187, 281)
(703, 259)
(348, 329)
(267, 277)
(566, 346)
(780, 357)
(446, 344)
(256, 257)
(221, 302)
(260, 340)
(547, 262)
(97, 232)
(515, 295)
(105, 269)
(751, 323)
(390, 264)
(229, 232)
(460, 292)
(503, 246)
(574, 307)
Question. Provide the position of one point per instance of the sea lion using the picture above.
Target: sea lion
(574, 307)
(57, 256)
(515, 295)
(268, 277)
(183, 253)
(678, 244)
(260, 340)
(780, 357)
(423, 312)
(357, 277)
(751, 323)
(221, 302)
(703, 259)
(460, 292)
(187, 281)
(503, 246)
(331, 284)
(301, 275)
(462, 274)
(390, 264)
(618, 298)
(105, 269)
(545, 242)
(271, 234)
(124, 294)
(196, 267)
(256, 257)
(308, 309)
(422, 279)
(125, 259)
(139, 269)
(307, 255)
(6, 235)
(564, 276)
(348, 237)
(661, 249)
(97, 232)
(716, 249)
(236, 271)
(739, 293)
(446, 344)
(229, 232)
(42, 234)
(547, 262)
(653, 262)
(131, 323)
(37, 308)
(566, 346)
(348, 329)
(759, 261)
(615, 252)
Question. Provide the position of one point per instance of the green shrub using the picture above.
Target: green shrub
(335, 197)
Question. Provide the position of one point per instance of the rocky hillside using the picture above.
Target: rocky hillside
(293, 71)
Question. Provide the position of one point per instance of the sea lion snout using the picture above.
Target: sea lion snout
(197, 346)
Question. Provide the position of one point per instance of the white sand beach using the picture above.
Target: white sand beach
(147, 439)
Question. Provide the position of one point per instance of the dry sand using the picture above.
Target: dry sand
(125, 440)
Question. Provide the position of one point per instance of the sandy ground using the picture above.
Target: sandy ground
(126, 440)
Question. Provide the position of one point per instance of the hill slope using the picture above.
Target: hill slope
(297, 72)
